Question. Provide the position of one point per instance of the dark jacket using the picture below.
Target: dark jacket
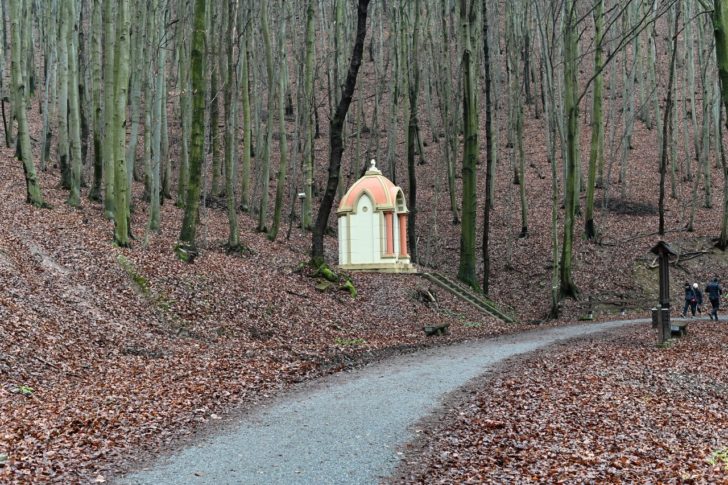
(714, 290)
(689, 293)
(698, 295)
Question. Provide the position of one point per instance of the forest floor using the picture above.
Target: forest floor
(606, 409)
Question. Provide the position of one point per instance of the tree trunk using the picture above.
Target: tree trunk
(336, 141)
(596, 151)
(665, 127)
(24, 152)
(412, 128)
(137, 55)
(74, 108)
(283, 142)
(109, 107)
(265, 176)
(571, 112)
(247, 131)
(188, 233)
(489, 141)
(63, 143)
(467, 267)
(231, 128)
(121, 82)
(720, 24)
(97, 108)
(157, 55)
(308, 119)
(185, 101)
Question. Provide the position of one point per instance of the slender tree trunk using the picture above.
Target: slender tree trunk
(109, 107)
(97, 109)
(74, 108)
(263, 211)
(137, 72)
(597, 136)
(720, 23)
(24, 152)
(247, 131)
(412, 128)
(63, 142)
(467, 267)
(231, 128)
(188, 233)
(489, 153)
(51, 61)
(185, 101)
(121, 82)
(665, 127)
(567, 286)
(166, 188)
(283, 142)
(335, 137)
(308, 119)
(157, 55)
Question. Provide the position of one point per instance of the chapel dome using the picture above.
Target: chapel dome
(379, 188)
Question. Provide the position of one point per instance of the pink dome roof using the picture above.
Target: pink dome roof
(378, 187)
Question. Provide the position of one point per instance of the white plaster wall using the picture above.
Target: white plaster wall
(344, 240)
(365, 233)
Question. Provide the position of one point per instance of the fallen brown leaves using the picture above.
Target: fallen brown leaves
(611, 409)
(107, 354)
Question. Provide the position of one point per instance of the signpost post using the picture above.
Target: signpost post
(662, 317)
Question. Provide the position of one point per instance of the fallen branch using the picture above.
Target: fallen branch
(54, 366)
(294, 293)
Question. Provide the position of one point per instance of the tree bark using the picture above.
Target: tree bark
(571, 112)
(720, 25)
(188, 233)
(121, 82)
(596, 151)
(74, 108)
(109, 107)
(467, 266)
(24, 152)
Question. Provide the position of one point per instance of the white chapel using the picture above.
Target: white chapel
(373, 226)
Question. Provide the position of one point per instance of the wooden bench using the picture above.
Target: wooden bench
(678, 329)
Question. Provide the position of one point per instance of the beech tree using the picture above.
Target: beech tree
(188, 234)
(720, 25)
(23, 151)
(467, 267)
(121, 83)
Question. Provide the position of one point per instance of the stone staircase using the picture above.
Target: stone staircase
(478, 300)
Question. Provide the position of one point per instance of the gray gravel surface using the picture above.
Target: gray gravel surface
(346, 428)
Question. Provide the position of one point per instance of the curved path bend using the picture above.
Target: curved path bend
(345, 428)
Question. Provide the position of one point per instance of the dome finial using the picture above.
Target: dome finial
(373, 170)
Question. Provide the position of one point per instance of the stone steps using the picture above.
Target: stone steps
(479, 301)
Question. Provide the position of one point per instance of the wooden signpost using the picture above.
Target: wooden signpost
(661, 314)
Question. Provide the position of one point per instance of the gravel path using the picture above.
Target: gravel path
(346, 428)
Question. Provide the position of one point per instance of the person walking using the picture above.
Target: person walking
(698, 299)
(713, 290)
(691, 300)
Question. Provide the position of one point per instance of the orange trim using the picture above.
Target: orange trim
(379, 188)
(389, 229)
(403, 235)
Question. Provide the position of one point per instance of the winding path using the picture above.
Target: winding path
(346, 428)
